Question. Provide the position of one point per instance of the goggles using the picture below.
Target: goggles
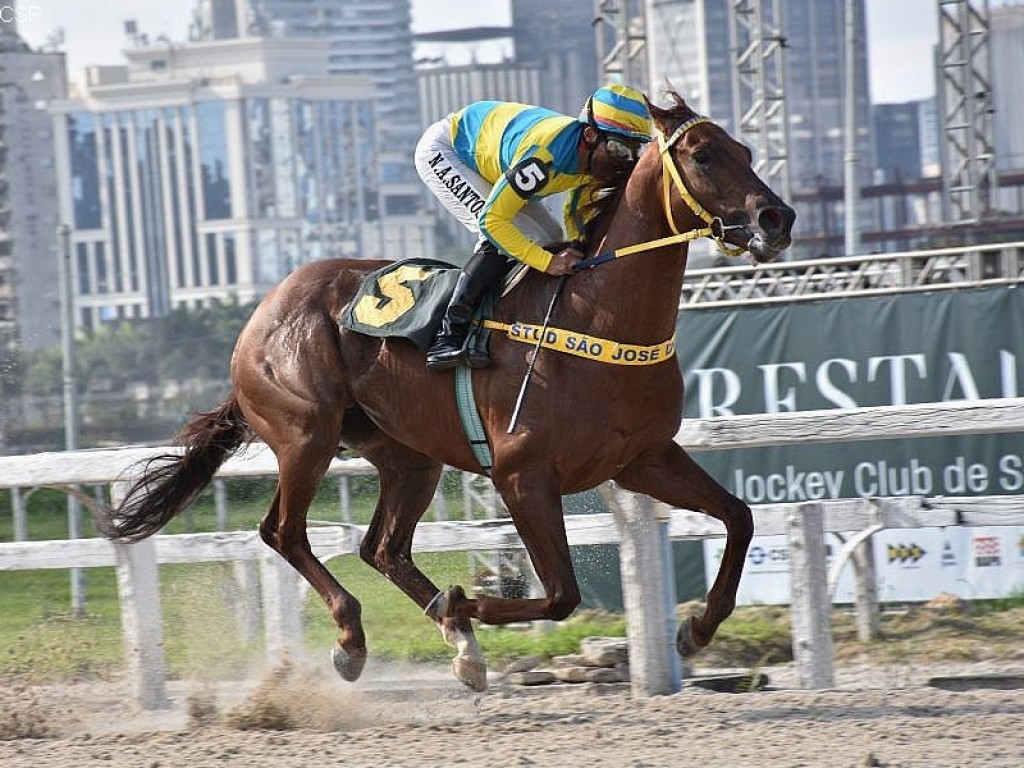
(621, 149)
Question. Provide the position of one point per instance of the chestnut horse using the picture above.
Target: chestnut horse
(309, 388)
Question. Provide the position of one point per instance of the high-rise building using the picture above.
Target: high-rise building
(691, 47)
(210, 170)
(367, 38)
(29, 267)
(1007, 48)
(445, 89)
(558, 37)
(928, 131)
(898, 141)
(216, 19)
(688, 50)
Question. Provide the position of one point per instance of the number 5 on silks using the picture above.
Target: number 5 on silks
(528, 176)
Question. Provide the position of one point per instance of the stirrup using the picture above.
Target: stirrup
(451, 356)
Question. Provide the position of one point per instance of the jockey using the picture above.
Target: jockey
(492, 162)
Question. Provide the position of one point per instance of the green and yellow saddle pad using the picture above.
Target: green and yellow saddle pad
(406, 299)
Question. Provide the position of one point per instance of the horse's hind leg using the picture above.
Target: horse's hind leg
(407, 483)
(669, 474)
(284, 529)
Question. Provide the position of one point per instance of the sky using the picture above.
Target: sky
(900, 33)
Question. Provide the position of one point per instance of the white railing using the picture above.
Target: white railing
(645, 573)
(975, 266)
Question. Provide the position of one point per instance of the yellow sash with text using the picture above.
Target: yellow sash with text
(589, 347)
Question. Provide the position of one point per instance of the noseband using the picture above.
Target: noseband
(671, 177)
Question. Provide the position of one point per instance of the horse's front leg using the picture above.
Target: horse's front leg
(535, 506)
(667, 473)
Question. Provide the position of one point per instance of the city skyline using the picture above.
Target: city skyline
(900, 35)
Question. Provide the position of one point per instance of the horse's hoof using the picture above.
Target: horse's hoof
(470, 672)
(348, 664)
(684, 640)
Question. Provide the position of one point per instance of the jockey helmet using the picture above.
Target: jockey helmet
(619, 110)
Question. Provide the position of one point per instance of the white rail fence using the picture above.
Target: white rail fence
(642, 529)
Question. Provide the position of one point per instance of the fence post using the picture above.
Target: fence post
(859, 550)
(138, 587)
(810, 606)
(439, 504)
(866, 590)
(282, 605)
(220, 503)
(648, 593)
(345, 498)
(248, 603)
(20, 516)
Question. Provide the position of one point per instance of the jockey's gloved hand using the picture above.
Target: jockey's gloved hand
(564, 262)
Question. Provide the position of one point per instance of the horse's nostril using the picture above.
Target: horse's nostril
(770, 220)
(774, 221)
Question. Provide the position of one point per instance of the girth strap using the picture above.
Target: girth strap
(470, 418)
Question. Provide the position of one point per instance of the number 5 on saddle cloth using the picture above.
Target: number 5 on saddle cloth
(407, 300)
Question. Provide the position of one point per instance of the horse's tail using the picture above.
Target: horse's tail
(170, 482)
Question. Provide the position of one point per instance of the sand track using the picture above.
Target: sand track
(875, 716)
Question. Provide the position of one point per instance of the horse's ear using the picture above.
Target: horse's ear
(658, 115)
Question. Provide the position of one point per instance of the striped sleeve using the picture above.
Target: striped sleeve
(496, 222)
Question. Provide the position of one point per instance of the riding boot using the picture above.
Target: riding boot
(486, 267)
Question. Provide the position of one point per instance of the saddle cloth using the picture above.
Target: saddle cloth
(406, 299)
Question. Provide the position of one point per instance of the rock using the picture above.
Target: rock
(603, 675)
(522, 664)
(946, 603)
(623, 670)
(571, 660)
(999, 682)
(604, 651)
(573, 674)
(536, 677)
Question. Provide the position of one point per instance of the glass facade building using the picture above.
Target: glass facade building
(187, 191)
(370, 39)
(1007, 41)
(29, 273)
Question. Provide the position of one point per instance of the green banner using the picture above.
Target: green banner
(847, 353)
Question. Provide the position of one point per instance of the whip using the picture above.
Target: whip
(533, 360)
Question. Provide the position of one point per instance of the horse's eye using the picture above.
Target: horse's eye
(701, 156)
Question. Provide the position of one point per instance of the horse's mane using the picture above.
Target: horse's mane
(604, 194)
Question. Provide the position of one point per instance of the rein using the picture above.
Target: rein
(672, 178)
